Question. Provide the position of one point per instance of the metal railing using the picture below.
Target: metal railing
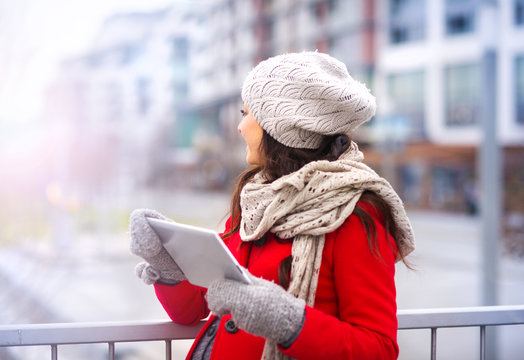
(109, 333)
(54, 335)
(481, 317)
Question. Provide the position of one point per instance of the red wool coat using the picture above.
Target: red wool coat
(354, 316)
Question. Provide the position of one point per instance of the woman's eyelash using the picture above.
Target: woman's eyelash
(243, 112)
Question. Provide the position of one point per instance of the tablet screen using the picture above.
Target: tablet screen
(200, 253)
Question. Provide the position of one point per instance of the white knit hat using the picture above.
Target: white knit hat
(299, 98)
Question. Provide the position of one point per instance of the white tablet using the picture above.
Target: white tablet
(200, 253)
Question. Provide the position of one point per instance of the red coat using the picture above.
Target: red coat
(354, 316)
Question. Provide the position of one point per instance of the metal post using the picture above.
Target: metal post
(54, 352)
(490, 182)
(111, 350)
(433, 343)
(490, 165)
(482, 343)
(168, 350)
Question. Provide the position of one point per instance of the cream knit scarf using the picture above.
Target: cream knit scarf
(309, 203)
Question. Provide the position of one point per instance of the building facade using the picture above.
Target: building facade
(431, 70)
(235, 35)
(424, 60)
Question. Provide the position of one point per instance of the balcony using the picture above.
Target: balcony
(54, 336)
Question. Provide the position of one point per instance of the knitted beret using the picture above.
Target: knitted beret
(299, 98)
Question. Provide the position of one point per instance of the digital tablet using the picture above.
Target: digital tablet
(200, 253)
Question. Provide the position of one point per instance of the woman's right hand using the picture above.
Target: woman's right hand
(159, 266)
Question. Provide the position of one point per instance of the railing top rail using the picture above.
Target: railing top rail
(461, 317)
(99, 332)
(104, 332)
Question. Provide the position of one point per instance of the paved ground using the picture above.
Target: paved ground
(94, 281)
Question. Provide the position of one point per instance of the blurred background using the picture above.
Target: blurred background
(107, 106)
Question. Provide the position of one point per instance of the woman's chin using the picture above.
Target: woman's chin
(252, 160)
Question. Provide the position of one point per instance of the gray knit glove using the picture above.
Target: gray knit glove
(159, 266)
(262, 308)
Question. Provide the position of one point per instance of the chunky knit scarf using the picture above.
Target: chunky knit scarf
(306, 205)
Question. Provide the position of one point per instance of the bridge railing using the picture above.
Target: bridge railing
(111, 333)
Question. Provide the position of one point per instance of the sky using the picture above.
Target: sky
(34, 36)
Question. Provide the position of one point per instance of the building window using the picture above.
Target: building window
(130, 53)
(341, 47)
(143, 92)
(519, 89)
(114, 102)
(460, 16)
(462, 94)
(519, 12)
(406, 91)
(412, 183)
(449, 191)
(264, 35)
(180, 47)
(267, 6)
(406, 21)
(344, 13)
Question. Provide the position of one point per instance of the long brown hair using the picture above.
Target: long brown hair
(280, 160)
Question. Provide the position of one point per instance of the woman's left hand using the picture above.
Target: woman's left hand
(262, 308)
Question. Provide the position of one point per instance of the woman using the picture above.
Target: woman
(318, 230)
